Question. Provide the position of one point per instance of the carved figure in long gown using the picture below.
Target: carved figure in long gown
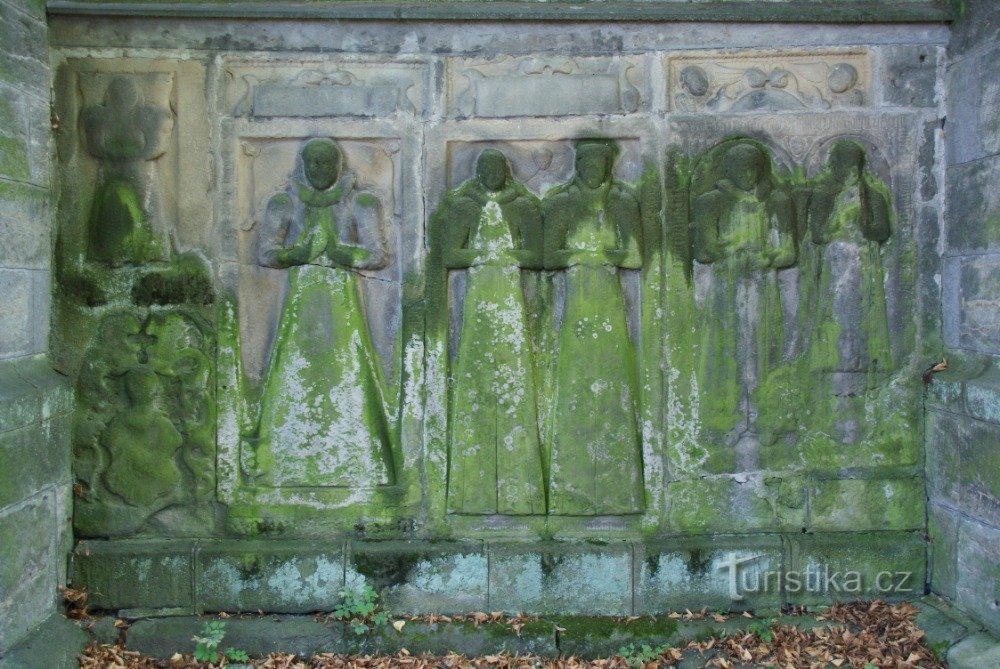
(742, 229)
(492, 226)
(592, 228)
(849, 220)
(322, 418)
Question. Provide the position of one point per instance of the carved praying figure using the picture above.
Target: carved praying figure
(742, 230)
(322, 417)
(592, 228)
(492, 227)
(849, 220)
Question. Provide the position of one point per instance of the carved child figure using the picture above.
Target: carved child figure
(742, 229)
(593, 228)
(849, 220)
(493, 228)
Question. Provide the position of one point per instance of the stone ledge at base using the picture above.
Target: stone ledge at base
(54, 644)
(543, 578)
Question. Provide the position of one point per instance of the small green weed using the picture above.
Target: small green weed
(641, 656)
(762, 628)
(360, 609)
(207, 648)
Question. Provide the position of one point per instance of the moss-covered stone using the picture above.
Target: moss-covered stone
(135, 574)
(857, 504)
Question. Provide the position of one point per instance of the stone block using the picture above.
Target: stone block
(258, 636)
(977, 22)
(979, 468)
(417, 578)
(27, 566)
(546, 578)
(14, 140)
(717, 572)
(55, 644)
(464, 638)
(973, 126)
(24, 57)
(943, 464)
(979, 295)
(977, 651)
(942, 531)
(982, 396)
(741, 503)
(39, 133)
(908, 75)
(974, 205)
(978, 583)
(937, 622)
(34, 456)
(19, 403)
(858, 504)
(53, 389)
(148, 574)
(285, 577)
(24, 224)
(592, 638)
(824, 568)
(16, 331)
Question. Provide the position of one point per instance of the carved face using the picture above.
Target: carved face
(745, 166)
(322, 164)
(491, 170)
(847, 162)
(593, 167)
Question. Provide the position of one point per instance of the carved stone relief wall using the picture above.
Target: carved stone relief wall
(487, 293)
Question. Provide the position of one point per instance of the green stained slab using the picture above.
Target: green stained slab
(286, 576)
(832, 567)
(135, 574)
(723, 572)
(590, 638)
(741, 504)
(856, 504)
(549, 578)
(419, 577)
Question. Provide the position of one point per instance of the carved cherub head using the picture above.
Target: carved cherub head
(746, 166)
(321, 161)
(594, 160)
(492, 170)
(123, 127)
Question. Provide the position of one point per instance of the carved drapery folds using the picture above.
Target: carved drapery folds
(511, 317)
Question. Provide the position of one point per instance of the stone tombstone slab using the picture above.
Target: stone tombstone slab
(391, 302)
(319, 336)
(768, 81)
(545, 86)
(133, 322)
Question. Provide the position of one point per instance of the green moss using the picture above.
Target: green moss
(185, 282)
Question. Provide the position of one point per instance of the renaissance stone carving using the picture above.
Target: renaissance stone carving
(742, 229)
(322, 415)
(593, 229)
(849, 219)
(311, 89)
(492, 229)
(769, 81)
(544, 87)
(143, 432)
(123, 132)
